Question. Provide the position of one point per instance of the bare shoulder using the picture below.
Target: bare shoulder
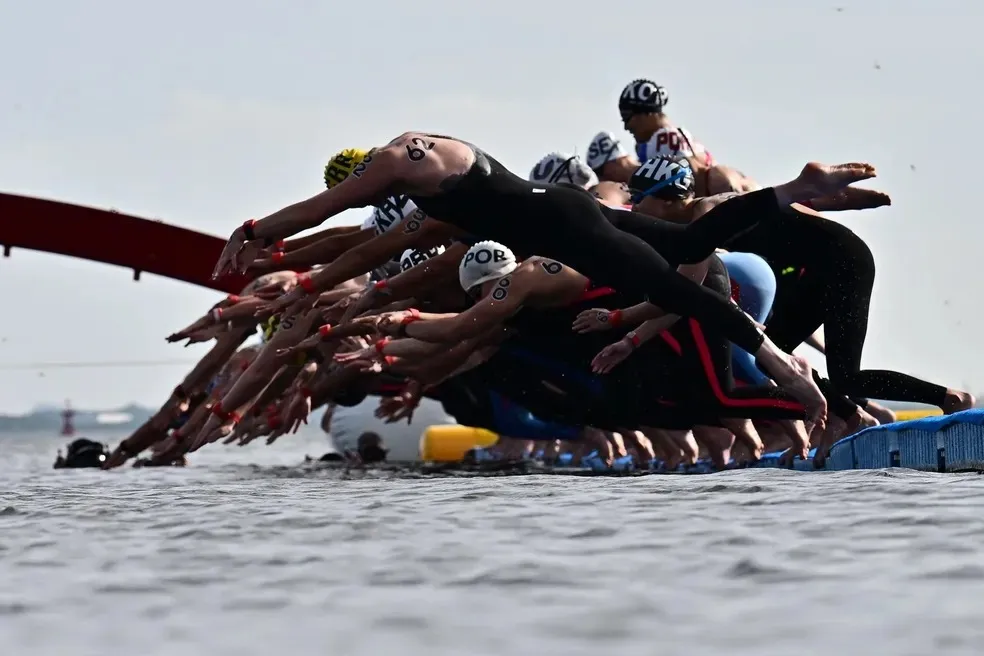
(538, 265)
(705, 205)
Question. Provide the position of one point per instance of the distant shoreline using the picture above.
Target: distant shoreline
(49, 420)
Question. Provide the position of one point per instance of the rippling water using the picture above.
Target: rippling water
(244, 553)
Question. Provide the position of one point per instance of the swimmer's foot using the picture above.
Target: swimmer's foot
(957, 401)
(836, 429)
(817, 180)
(717, 442)
(860, 420)
(744, 431)
(642, 444)
(796, 376)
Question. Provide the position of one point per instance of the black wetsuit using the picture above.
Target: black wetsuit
(824, 276)
(678, 380)
(612, 247)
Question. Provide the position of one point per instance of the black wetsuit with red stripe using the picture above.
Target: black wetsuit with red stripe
(678, 380)
(695, 360)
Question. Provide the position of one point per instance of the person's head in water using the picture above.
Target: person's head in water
(641, 107)
(662, 186)
(483, 266)
(370, 448)
(609, 159)
(82, 453)
(558, 168)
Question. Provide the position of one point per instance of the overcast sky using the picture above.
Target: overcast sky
(210, 112)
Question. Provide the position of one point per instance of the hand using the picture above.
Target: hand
(611, 356)
(365, 359)
(263, 262)
(282, 302)
(205, 334)
(296, 412)
(273, 290)
(388, 323)
(395, 408)
(593, 321)
(247, 255)
(304, 346)
(199, 324)
(363, 300)
(227, 260)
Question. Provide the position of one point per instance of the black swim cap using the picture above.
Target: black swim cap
(662, 177)
(642, 97)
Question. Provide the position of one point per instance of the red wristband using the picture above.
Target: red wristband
(381, 285)
(233, 299)
(305, 283)
(222, 414)
(280, 245)
(249, 230)
(615, 317)
(414, 315)
(390, 359)
(324, 330)
(381, 344)
(277, 257)
(634, 339)
(274, 421)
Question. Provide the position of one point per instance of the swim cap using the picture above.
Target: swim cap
(390, 212)
(269, 327)
(557, 168)
(671, 142)
(605, 148)
(643, 97)
(485, 261)
(341, 166)
(662, 177)
(412, 257)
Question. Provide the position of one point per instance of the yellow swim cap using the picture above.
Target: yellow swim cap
(341, 166)
(270, 326)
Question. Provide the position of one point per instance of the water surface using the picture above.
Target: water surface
(244, 552)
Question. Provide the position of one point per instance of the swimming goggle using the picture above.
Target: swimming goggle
(681, 174)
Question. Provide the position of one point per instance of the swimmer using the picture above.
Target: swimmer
(459, 184)
(641, 106)
(609, 159)
(560, 168)
(835, 275)
(540, 297)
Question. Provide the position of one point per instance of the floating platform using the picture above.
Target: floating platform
(951, 443)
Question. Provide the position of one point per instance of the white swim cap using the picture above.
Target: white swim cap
(605, 148)
(391, 212)
(556, 168)
(669, 142)
(412, 257)
(485, 261)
